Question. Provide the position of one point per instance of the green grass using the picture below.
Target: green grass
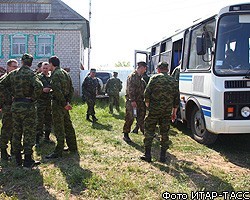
(109, 168)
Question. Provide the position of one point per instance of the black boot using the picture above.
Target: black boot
(4, 154)
(29, 162)
(163, 155)
(87, 118)
(19, 160)
(147, 156)
(126, 138)
(94, 118)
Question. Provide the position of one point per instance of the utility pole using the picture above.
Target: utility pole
(89, 48)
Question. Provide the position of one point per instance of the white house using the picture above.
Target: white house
(44, 28)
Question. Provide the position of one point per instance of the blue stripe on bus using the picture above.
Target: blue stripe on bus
(206, 110)
(207, 113)
(184, 77)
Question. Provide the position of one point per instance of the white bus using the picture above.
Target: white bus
(214, 78)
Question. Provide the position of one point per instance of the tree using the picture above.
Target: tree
(122, 64)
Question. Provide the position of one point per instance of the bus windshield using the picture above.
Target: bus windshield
(233, 45)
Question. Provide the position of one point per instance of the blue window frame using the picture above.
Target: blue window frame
(18, 45)
(44, 46)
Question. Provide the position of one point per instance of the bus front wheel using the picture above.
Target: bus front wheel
(198, 127)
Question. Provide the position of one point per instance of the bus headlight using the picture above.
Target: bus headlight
(245, 111)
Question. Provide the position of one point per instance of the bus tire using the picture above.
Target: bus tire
(198, 128)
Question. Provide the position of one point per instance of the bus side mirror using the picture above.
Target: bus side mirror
(200, 45)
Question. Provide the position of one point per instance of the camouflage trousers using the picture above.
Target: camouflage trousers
(129, 118)
(63, 128)
(150, 125)
(114, 101)
(6, 130)
(91, 105)
(23, 126)
(44, 116)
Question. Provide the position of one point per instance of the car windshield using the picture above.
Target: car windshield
(233, 45)
(104, 76)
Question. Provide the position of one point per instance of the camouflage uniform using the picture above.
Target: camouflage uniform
(90, 87)
(62, 93)
(43, 104)
(7, 129)
(134, 92)
(176, 73)
(113, 87)
(146, 79)
(162, 93)
(25, 88)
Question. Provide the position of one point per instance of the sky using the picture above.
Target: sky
(118, 27)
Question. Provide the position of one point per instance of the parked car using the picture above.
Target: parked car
(102, 77)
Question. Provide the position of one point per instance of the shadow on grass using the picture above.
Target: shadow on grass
(19, 183)
(234, 147)
(121, 115)
(76, 177)
(99, 126)
(186, 172)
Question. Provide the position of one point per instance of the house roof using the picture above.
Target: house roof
(37, 10)
(42, 11)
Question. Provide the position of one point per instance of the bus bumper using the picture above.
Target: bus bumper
(230, 126)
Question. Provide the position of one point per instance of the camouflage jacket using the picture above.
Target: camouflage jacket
(22, 83)
(90, 87)
(6, 97)
(113, 86)
(62, 87)
(162, 93)
(46, 81)
(135, 87)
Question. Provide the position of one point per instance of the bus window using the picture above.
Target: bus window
(165, 55)
(155, 53)
(201, 61)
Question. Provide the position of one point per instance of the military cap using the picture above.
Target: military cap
(40, 64)
(115, 73)
(27, 57)
(142, 64)
(92, 70)
(162, 65)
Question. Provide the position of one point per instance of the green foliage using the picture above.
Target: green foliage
(109, 168)
(122, 64)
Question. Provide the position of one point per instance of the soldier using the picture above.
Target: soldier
(25, 88)
(113, 87)
(161, 97)
(176, 72)
(6, 101)
(43, 104)
(146, 79)
(38, 70)
(90, 87)
(62, 93)
(135, 106)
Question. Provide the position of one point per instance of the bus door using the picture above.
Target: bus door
(142, 56)
(176, 54)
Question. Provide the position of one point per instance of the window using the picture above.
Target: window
(19, 45)
(201, 62)
(44, 46)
